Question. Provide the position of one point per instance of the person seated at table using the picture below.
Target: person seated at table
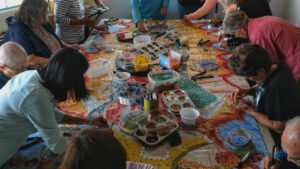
(94, 149)
(13, 60)
(30, 29)
(276, 95)
(253, 8)
(189, 6)
(148, 9)
(27, 103)
(279, 37)
(289, 157)
(71, 20)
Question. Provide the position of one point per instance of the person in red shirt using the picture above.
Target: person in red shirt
(278, 36)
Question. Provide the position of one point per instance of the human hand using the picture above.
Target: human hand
(141, 26)
(88, 21)
(99, 3)
(101, 28)
(77, 46)
(239, 94)
(36, 61)
(99, 122)
(163, 11)
(187, 20)
(265, 163)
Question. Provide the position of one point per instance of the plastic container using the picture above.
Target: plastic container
(97, 68)
(141, 63)
(164, 77)
(121, 76)
(189, 116)
(141, 41)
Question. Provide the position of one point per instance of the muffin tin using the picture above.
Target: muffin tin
(22, 163)
(176, 100)
(153, 131)
(154, 49)
(129, 122)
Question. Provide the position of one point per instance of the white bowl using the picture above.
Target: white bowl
(97, 67)
(122, 76)
(189, 116)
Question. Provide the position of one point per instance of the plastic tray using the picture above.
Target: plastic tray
(164, 77)
(176, 100)
(23, 163)
(154, 50)
(126, 62)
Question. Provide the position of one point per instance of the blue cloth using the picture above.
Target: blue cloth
(281, 155)
(26, 106)
(3, 80)
(20, 33)
(148, 9)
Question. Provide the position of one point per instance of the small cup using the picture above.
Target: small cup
(189, 116)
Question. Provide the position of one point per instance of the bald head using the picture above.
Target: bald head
(13, 59)
(291, 137)
(12, 54)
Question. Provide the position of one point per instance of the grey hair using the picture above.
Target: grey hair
(12, 54)
(293, 120)
(234, 19)
(30, 10)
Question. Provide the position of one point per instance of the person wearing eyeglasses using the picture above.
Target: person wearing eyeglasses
(278, 36)
(30, 29)
(13, 60)
(289, 156)
(276, 96)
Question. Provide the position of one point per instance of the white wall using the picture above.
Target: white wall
(287, 9)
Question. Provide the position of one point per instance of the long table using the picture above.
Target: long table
(220, 140)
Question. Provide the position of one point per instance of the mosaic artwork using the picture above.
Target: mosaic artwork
(222, 135)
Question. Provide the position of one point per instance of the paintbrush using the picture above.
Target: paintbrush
(244, 159)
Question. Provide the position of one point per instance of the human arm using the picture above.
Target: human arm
(99, 122)
(164, 7)
(265, 163)
(35, 61)
(76, 46)
(99, 3)
(275, 125)
(242, 92)
(207, 7)
(39, 109)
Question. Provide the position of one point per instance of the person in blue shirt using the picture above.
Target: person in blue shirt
(28, 103)
(13, 60)
(148, 9)
(289, 156)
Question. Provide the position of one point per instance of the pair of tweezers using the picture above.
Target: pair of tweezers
(200, 76)
(201, 42)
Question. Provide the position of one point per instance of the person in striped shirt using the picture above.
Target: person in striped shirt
(70, 20)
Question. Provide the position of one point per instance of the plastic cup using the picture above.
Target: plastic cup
(189, 116)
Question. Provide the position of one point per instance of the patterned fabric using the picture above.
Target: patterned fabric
(48, 39)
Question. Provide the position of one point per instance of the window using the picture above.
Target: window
(7, 4)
